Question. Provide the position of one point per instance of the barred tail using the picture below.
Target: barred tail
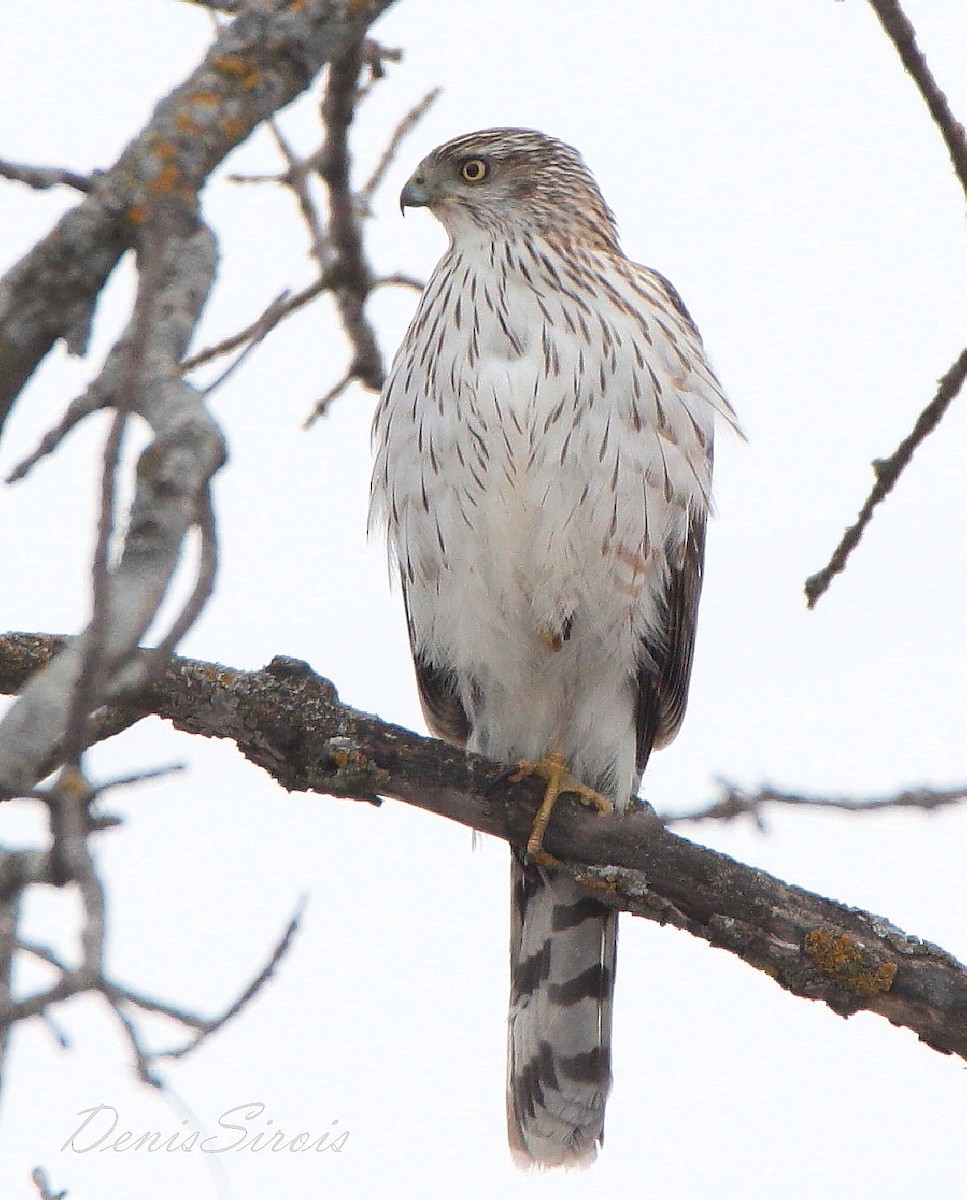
(562, 962)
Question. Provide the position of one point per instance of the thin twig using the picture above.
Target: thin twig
(250, 992)
(281, 307)
(231, 7)
(901, 33)
(888, 471)
(404, 127)
(44, 1190)
(737, 802)
(142, 1056)
(91, 978)
(136, 777)
(90, 677)
(93, 400)
(399, 279)
(202, 591)
(42, 178)
(296, 178)
(242, 355)
(92, 672)
(337, 248)
(321, 406)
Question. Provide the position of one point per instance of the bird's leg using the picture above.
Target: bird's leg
(559, 780)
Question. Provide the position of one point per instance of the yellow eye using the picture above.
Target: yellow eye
(473, 170)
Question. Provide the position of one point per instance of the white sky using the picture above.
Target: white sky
(776, 164)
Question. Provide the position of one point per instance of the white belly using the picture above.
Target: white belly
(532, 489)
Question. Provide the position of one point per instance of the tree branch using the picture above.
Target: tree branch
(42, 178)
(888, 471)
(337, 247)
(735, 802)
(897, 27)
(148, 200)
(139, 375)
(258, 63)
(901, 33)
(290, 722)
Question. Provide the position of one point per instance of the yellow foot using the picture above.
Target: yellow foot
(559, 780)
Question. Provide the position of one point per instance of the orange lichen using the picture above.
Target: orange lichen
(208, 99)
(230, 64)
(164, 149)
(597, 882)
(138, 213)
(232, 127)
(186, 123)
(238, 68)
(165, 181)
(848, 962)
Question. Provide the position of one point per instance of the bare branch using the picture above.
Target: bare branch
(405, 127)
(94, 670)
(207, 1028)
(296, 177)
(171, 484)
(338, 246)
(231, 7)
(289, 721)
(258, 63)
(399, 280)
(42, 178)
(90, 402)
(897, 27)
(70, 862)
(345, 232)
(888, 471)
(901, 33)
(281, 307)
(737, 802)
(321, 406)
(118, 996)
(44, 1190)
(9, 921)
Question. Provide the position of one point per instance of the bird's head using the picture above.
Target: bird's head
(507, 181)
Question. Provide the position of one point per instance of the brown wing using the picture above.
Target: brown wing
(443, 710)
(665, 665)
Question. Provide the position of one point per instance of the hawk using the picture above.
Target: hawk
(543, 463)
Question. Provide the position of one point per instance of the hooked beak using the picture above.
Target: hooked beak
(415, 194)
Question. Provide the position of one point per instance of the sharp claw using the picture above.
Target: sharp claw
(559, 781)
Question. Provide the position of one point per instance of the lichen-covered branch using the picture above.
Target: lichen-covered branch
(140, 375)
(148, 201)
(290, 722)
(258, 63)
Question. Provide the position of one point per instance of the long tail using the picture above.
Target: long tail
(562, 961)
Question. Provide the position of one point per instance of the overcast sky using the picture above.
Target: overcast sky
(774, 161)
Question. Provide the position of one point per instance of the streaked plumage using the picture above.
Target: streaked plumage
(543, 469)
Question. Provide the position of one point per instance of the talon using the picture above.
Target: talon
(559, 780)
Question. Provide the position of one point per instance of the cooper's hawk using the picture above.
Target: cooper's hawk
(543, 468)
